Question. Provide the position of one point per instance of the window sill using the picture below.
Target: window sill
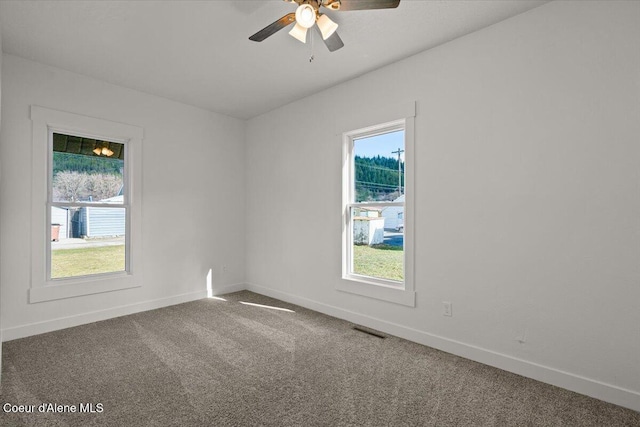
(363, 287)
(61, 289)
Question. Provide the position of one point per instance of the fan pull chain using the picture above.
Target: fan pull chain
(311, 58)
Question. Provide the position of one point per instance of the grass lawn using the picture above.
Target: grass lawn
(84, 261)
(383, 261)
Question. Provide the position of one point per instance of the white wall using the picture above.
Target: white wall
(192, 166)
(527, 204)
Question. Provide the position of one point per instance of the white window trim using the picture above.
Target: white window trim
(44, 121)
(386, 290)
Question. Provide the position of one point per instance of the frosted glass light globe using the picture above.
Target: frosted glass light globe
(305, 15)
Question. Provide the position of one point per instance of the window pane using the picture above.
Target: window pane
(87, 240)
(87, 170)
(378, 242)
(379, 167)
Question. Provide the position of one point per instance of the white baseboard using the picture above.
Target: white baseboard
(23, 331)
(599, 390)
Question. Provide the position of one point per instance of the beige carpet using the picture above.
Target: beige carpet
(224, 363)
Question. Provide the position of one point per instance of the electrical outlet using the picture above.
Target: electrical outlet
(447, 309)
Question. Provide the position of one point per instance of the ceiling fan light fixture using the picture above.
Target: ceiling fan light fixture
(327, 26)
(299, 32)
(305, 15)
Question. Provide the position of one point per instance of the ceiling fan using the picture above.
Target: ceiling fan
(308, 14)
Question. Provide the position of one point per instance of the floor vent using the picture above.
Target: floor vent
(375, 334)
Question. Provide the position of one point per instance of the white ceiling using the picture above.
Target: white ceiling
(199, 53)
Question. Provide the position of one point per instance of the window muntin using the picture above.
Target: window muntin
(88, 207)
(375, 207)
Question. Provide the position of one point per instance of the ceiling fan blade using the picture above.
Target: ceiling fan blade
(270, 30)
(333, 42)
(367, 4)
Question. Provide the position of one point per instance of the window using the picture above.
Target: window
(376, 248)
(88, 203)
(377, 193)
(86, 210)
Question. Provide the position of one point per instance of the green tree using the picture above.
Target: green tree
(377, 178)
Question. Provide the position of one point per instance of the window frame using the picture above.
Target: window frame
(383, 289)
(45, 122)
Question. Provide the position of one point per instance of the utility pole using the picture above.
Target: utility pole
(400, 151)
